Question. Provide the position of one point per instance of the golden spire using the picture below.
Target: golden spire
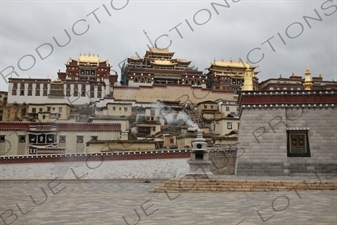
(307, 80)
(248, 80)
(293, 74)
(231, 60)
(320, 76)
(280, 75)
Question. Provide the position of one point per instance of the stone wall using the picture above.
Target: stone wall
(263, 141)
(184, 94)
(121, 169)
(223, 162)
(123, 165)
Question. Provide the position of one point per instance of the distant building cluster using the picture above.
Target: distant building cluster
(160, 103)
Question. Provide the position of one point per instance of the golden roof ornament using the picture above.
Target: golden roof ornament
(280, 75)
(248, 80)
(320, 76)
(293, 74)
(307, 80)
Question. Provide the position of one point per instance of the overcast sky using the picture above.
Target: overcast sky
(218, 32)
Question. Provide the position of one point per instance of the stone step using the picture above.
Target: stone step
(209, 185)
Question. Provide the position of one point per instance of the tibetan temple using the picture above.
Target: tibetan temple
(229, 76)
(158, 67)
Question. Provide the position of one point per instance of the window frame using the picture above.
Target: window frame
(307, 146)
(63, 139)
(22, 138)
(94, 138)
(77, 139)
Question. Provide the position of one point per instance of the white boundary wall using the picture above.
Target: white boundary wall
(119, 169)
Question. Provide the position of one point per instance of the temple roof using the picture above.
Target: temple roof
(183, 61)
(163, 63)
(158, 51)
(231, 64)
(89, 58)
(135, 58)
(86, 58)
(57, 81)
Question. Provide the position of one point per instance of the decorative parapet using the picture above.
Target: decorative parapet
(287, 99)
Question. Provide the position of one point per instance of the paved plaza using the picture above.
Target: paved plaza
(112, 202)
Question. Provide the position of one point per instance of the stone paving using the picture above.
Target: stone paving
(112, 202)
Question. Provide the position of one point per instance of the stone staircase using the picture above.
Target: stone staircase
(217, 185)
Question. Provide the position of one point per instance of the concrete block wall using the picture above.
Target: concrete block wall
(262, 141)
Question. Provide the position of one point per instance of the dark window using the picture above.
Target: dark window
(62, 139)
(94, 138)
(171, 141)
(298, 143)
(2, 138)
(33, 110)
(79, 139)
(22, 138)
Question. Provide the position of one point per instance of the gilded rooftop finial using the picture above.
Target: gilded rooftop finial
(293, 74)
(307, 70)
(280, 75)
(307, 80)
(320, 75)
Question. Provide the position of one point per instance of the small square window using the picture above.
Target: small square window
(227, 108)
(62, 139)
(2, 138)
(125, 109)
(79, 139)
(229, 125)
(171, 141)
(40, 109)
(60, 109)
(22, 138)
(94, 138)
(113, 108)
(153, 128)
(298, 143)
